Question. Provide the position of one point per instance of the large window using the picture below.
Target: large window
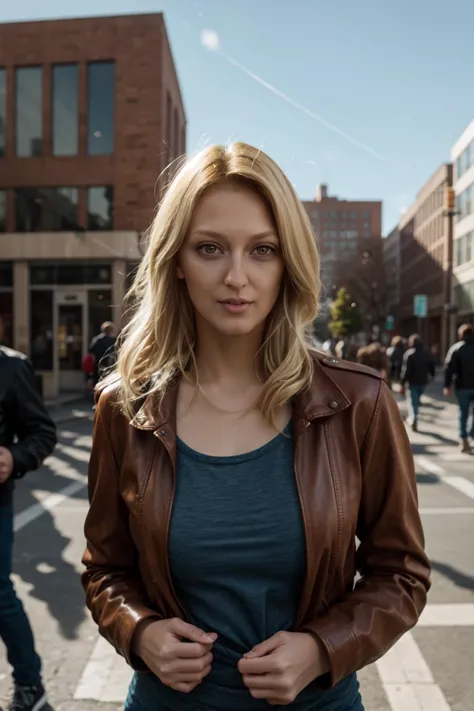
(70, 273)
(3, 111)
(41, 325)
(100, 208)
(46, 209)
(100, 108)
(65, 125)
(3, 210)
(29, 109)
(6, 304)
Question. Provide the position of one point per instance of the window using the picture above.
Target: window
(99, 309)
(46, 209)
(176, 133)
(41, 329)
(3, 112)
(468, 247)
(3, 210)
(468, 200)
(6, 318)
(459, 166)
(28, 111)
(100, 208)
(467, 158)
(68, 274)
(100, 108)
(65, 126)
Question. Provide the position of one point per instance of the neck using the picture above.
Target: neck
(227, 359)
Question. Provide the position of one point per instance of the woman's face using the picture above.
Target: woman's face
(231, 260)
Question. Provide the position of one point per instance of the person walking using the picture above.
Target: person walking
(417, 371)
(102, 349)
(27, 437)
(232, 466)
(395, 355)
(459, 369)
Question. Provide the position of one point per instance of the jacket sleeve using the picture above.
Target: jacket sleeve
(451, 366)
(395, 573)
(406, 369)
(115, 593)
(32, 425)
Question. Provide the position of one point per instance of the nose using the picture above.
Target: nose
(236, 276)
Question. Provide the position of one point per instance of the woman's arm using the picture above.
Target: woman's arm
(390, 595)
(115, 593)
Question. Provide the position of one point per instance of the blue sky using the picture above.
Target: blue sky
(392, 75)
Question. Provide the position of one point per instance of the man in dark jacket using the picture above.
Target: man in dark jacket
(459, 367)
(27, 437)
(102, 348)
(417, 370)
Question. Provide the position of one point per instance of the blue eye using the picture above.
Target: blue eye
(264, 250)
(208, 248)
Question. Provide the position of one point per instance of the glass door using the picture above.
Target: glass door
(70, 341)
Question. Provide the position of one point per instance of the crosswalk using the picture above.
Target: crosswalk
(403, 672)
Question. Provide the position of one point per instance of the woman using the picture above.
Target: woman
(233, 467)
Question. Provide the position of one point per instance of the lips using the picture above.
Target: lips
(235, 302)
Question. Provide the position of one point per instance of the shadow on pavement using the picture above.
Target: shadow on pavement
(40, 551)
(460, 579)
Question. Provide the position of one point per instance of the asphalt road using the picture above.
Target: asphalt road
(430, 669)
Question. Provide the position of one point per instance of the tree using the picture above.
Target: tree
(345, 316)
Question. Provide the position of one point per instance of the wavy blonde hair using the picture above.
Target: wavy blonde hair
(158, 342)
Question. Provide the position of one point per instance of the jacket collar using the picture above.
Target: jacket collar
(322, 399)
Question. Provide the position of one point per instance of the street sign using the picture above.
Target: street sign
(389, 323)
(420, 305)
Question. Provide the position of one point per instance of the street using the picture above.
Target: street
(430, 669)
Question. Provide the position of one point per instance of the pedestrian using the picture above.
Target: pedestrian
(27, 437)
(417, 371)
(232, 466)
(459, 368)
(395, 355)
(374, 356)
(102, 349)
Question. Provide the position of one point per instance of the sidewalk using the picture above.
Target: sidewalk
(69, 408)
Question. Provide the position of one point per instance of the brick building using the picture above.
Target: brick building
(344, 229)
(90, 115)
(425, 256)
(391, 259)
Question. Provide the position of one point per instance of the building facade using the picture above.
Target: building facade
(91, 115)
(425, 260)
(392, 260)
(462, 156)
(344, 230)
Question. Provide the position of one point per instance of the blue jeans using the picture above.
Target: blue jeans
(416, 391)
(15, 629)
(465, 397)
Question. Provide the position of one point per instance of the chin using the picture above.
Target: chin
(234, 327)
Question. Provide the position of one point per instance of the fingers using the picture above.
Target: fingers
(194, 634)
(186, 650)
(187, 666)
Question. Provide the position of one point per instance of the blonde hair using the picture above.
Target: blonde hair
(158, 342)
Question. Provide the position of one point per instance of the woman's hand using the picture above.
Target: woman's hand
(279, 668)
(180, 665)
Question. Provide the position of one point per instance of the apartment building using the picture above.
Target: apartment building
(425, 260)
(343, 229)
(91, 113)
(462, 156)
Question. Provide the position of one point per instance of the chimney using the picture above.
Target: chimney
(321, 192)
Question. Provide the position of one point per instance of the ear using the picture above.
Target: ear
(179, 272)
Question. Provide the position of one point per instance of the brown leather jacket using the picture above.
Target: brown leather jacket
(355, 476)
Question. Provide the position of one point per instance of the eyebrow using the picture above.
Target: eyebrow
(213, 233)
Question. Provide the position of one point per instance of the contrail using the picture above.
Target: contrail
(210, 40)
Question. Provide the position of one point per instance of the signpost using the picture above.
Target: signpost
(389, 323)
(420, 305)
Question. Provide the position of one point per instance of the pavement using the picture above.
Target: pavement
(429, 669)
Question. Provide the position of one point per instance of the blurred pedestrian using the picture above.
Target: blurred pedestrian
(395, 354)
(219, 557)
(102, 349)
(459, 369)
(27, 437)
(374, 356)
(417, 371)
